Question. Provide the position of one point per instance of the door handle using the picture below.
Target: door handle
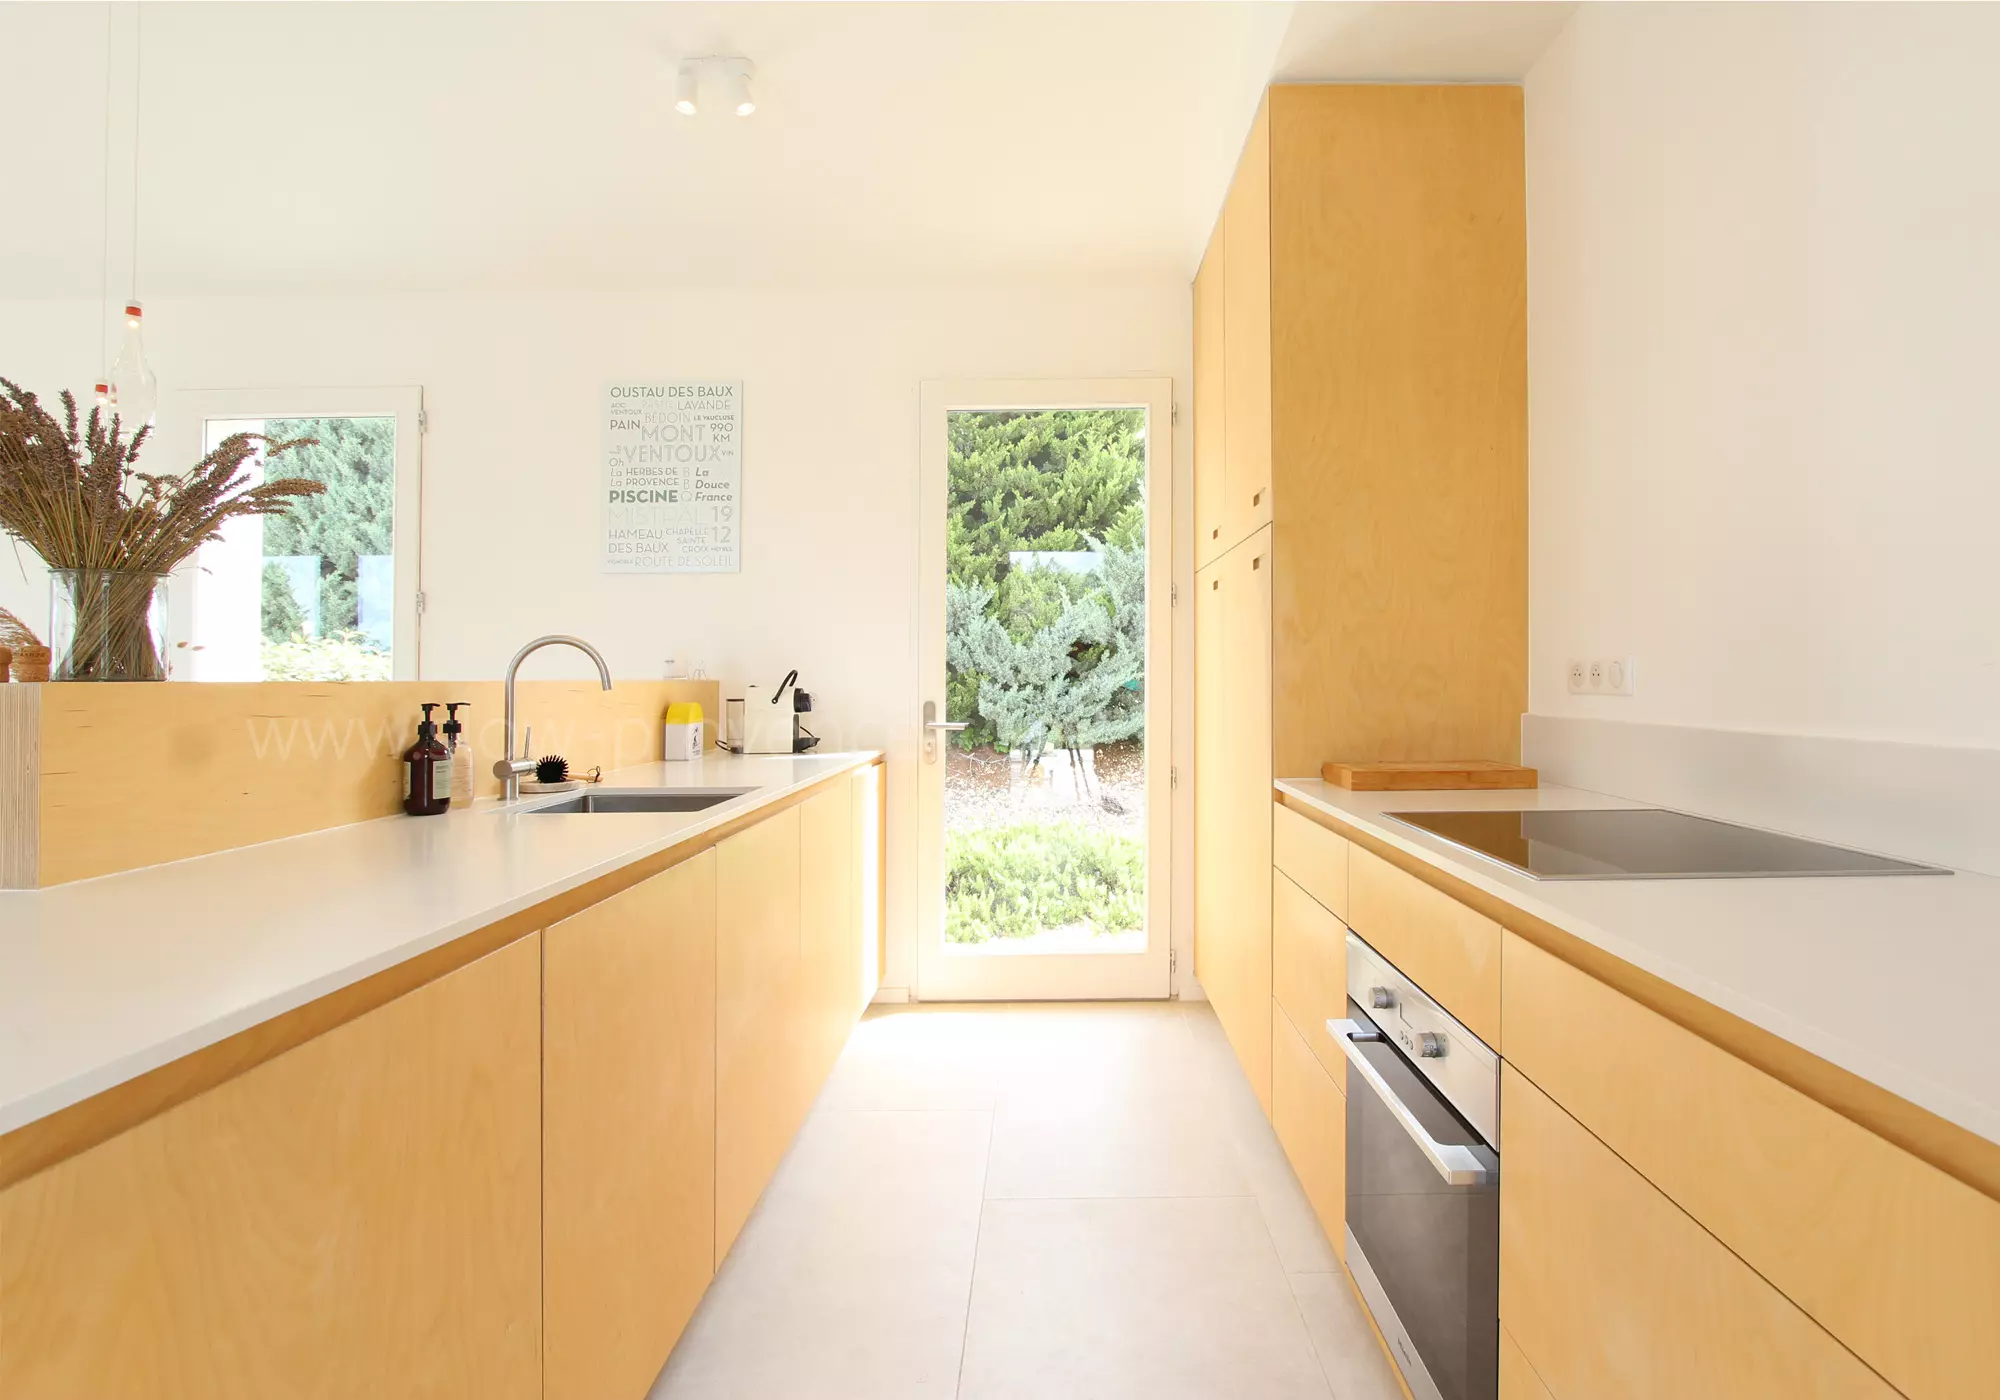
(1457, 1164)
(932, 724)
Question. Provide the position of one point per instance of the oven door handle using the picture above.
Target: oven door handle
(1458, 1165)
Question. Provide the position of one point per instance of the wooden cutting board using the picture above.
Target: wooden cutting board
(1468, 775)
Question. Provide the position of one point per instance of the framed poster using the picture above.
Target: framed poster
(673, 477)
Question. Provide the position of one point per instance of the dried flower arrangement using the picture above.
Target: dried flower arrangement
(70, 490)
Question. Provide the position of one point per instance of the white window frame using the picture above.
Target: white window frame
(941, 976)
(180, 434)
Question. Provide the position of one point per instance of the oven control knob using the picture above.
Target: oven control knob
(1431, 1045)
(1381, 998)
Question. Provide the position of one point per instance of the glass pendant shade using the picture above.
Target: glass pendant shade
(135, 390)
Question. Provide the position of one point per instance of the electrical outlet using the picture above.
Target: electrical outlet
(1578, 677)
(1597, 677)
(1620, 676)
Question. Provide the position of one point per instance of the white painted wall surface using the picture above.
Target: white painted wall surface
(1764, 272)
(511, 534)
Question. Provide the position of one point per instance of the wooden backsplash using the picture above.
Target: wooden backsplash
(101, 778)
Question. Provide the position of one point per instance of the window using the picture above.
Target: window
(328, 590)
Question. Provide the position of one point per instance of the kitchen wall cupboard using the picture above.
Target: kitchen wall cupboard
(1361, 538)
(1898, 1260)
(1611, 1290)
(628, 1147)
(361, 1215)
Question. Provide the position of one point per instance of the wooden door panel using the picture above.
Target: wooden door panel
(628, 1131)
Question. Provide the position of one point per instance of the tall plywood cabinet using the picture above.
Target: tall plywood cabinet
(1360, 476)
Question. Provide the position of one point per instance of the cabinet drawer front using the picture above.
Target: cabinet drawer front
(1615, 1292)
(1450, 951)
(1313, 856)
(1309, 970)
(1898, 1260)
(1309, 1114)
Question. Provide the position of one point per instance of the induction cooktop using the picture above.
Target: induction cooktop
(1644, 843)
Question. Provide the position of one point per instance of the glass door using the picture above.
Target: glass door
(1043, 808)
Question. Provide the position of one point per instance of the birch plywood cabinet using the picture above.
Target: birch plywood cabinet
(1233, 802)
(358, 1216)
(628, 1086)
(1361, 504)
(789, 984)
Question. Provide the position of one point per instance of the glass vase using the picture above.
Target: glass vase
(107, 625)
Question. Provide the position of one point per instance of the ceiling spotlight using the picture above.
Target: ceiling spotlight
(739, 88)
(685, 88)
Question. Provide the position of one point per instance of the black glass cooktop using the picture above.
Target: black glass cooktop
(1644, 843)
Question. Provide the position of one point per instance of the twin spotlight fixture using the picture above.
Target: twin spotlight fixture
(732, 73)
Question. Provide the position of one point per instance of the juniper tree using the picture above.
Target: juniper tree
(355, 458)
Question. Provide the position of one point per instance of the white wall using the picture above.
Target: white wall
(511, 527)
(1764, 272)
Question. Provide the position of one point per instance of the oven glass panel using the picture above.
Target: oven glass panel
(1434, 1247)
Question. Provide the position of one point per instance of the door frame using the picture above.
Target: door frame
(1054, 976)
(183, 418)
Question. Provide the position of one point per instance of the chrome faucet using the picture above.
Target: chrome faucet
(509, 768)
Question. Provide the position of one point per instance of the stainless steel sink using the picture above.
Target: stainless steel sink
(641, 800)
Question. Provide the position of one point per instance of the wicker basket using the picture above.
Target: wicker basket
(31, 663)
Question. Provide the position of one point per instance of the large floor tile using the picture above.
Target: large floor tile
(920, 1058)
(1114, 1103)
(852, 1277)
(1302, 1244)
(1147, 1299)
(1353, 1361)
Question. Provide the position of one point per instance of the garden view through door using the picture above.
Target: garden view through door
(1045, 801)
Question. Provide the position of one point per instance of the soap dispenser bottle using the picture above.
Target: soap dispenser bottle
(461, 752)
(426, 771)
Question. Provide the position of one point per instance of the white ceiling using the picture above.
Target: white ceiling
(533, 147)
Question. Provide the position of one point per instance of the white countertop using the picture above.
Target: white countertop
(1894, 978)
(105, 979)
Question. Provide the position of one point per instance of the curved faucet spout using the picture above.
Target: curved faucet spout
(509, 768)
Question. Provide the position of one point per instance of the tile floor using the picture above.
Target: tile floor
(1032, 1203)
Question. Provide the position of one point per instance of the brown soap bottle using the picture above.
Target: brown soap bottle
(426, 772)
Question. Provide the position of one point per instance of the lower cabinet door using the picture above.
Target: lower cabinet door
(1310, 1116)
(628, 1144)
(1612, 1291)
(763, 1031)
(831, 942)
(1518, 1380)
(360, 1216)
(1308, 966)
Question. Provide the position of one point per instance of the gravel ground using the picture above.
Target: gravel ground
(983, 788)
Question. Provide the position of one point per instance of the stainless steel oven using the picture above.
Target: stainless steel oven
(1423, 1180)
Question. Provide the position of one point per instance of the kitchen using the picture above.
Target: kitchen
(1611, 409)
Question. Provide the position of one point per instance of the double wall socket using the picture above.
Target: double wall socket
(1616, 675)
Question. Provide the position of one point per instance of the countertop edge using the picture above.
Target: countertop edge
(1970, 1114)
(28, 1110)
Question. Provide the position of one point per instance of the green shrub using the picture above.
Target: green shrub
(344, 656)
(1016, 881)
